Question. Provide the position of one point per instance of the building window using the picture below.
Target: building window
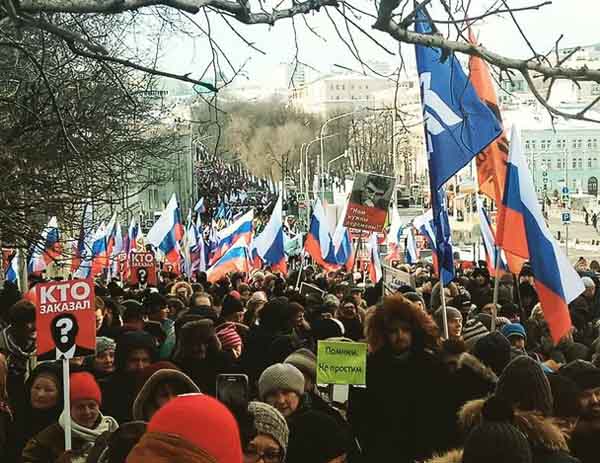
(580, 163)
(574, 184)
(533, 144)
(526, 144)
(595, 143)
(574, 164)
(589, 143)
(343, 87)
(589, 162)
(337, 87)
(543, 144)
(595, 163)
(559, 163)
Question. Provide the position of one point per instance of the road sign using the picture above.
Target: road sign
(565, 190)
(301, 197)
(544, 174)
(566, 218)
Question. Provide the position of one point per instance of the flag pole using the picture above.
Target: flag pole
(444, 312)
(496, 287)
(300, 270)
(67, 402)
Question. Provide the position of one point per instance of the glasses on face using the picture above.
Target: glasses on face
(268, 456)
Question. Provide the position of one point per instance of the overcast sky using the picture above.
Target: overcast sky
(578, 20)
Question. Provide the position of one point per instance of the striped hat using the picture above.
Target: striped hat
(472, 332)
(229, 337)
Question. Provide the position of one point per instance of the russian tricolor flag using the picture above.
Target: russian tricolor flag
(236, 259)
(523, 231)
(167, 231)
(99, 250)
(394, 234)
(319, 243)
(12, 272)
(240, 230)
(47, 249)
(269, 244)
(375, 270)
(411, 255)
(494, 253)
(342, 243)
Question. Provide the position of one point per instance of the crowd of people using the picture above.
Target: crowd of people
(152, 391)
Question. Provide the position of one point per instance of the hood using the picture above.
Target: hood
(472, 363)
(541, 432)
(453, 456)
(144, 407)
(130, 341)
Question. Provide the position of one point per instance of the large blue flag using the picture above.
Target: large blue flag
(458, 124)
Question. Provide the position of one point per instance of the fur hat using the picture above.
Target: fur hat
(306, 361)
(496, 439)
(269, 421)
(281, 376)
(103, 344)
(524, 385)
(84, 387)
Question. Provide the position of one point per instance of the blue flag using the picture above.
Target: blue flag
(458, 124)
(443, 237)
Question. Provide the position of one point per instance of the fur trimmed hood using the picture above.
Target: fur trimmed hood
(541, 432)
(471, 362)
(453, 456)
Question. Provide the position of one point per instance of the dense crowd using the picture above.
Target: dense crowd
(149, 393)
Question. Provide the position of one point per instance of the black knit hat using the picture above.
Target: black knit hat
(524, 385)
(494, 351)
(572, 369)
(496, 439)
(588, 379)
(566, 396)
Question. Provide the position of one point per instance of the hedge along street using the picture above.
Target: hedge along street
(341, 362)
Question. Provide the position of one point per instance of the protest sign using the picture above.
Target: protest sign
(142, 268)
(369, 202)
(65, 319)
(307, 288)
(340, 362)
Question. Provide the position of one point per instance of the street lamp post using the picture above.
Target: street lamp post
(321, 159)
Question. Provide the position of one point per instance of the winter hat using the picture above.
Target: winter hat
(84, 387)
(231, 305)
(588, 282)
(486, 319)
(269, 421)
(103, 344)
(577, 351)
(281, 376)
(588, 379)
(452, 313)
(565, 393)
(316, 438)
(496, 439)
(572, 369)
(258, 296)
(306, 361)
(525, 386)
(331, 300)
(229, 337)
(514, 329)
(327, 328)
(494, 351)
(195, 419)
(472, 332)
(131, 341)
(147, 372)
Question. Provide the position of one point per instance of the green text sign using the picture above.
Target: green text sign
(341, 362)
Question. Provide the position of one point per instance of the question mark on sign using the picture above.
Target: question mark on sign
(65, 325)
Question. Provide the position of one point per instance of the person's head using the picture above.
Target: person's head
(516, 335)
(163, 382)
(191, 427)
(197, 340)
(233, 308)
(588, 382)
(401, 325)
(135, 351)
(156, 307)
(45, 386)
(306, 361)
(104, 360)
(272, 434)
(201, 300)
(133, 315)
(454, 320)
(347, 309)
(525, 386)
(281, 386)
(493, 350)
(230, 340)
(183, 291)
(22, 319)
(356, 294)
(86, 399)
(245, 293)
(590, 287)
(496, 438)
(481, 276)
(100, 308)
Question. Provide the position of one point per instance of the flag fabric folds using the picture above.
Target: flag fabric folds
(269, 244)
(167, 232)
(12, 272)
(235, 259)
(240, 230)
(199, 207)
(375, 269)
(556, 281)
(99, 251)
(394, 234)
(47, 249)
(319, 243)
(410, 255)
(493, 252)
(342, 243)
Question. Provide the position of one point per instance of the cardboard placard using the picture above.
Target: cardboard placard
(369, 202)
(340, 362)
(142, 268)
(65, 319)
(307, 288)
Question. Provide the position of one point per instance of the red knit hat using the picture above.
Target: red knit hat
(229, 337)
(204, 422)
(84, 387)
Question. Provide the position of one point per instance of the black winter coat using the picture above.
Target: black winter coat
(407, 410)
